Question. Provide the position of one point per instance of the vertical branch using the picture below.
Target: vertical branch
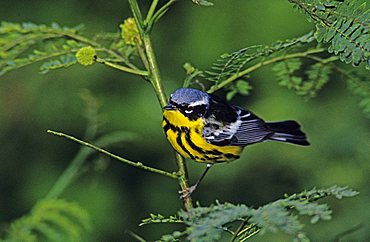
(155, 79)
(184, 180)
(154, 71)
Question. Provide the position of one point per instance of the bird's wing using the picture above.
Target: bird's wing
(246, 129)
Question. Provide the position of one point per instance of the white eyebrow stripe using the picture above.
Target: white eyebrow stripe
(199, 102)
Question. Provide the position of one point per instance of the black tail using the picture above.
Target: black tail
(287, 131)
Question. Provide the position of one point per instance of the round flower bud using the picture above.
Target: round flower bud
(86, 55)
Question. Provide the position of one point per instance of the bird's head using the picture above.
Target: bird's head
(190, 102)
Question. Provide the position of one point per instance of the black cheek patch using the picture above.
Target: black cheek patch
(197, 112)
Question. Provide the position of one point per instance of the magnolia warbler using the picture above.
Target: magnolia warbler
(207, 129)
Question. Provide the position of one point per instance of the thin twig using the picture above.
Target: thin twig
(135, 236)
(99, 46)
(236, 76)
(136, 164)
(141, 53)
(151, 10)
(351, 230)
(161, 12)
(240, 228)
(122, 68)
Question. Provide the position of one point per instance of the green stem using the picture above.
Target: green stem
(250, 235)
(96, 45)
(321, 60)
(154, 71)
(262, 64)
(122, 68)
(152, 8)
(141, 53)
(157, 84)
(155, 79)
(240, 228)
(137, 15)
(85, 40)
(136, 164)
(184, 180)
(161, 12)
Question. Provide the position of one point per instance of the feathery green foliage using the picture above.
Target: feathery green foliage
(27, 43)
(63, 61)
(289, 74)
(241, 87)
(360, 86)
(158, 218)
(231, 71)
(209, 223)
(342, 24)
(230, 64)
(51, 220)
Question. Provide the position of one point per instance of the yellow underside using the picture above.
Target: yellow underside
(178, 120)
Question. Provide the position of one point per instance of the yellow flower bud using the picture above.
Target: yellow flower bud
(130, 32)
(86, 55)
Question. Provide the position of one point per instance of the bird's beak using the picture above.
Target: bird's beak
(169, 107)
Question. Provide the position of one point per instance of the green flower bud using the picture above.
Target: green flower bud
(86, 55)
(130, 32)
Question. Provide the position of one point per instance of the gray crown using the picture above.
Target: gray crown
(189, 96)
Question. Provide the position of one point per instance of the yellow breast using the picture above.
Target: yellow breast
(186, 138)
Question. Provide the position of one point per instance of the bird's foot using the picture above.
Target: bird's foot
(187, 192)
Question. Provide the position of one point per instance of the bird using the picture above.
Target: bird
(207, 129)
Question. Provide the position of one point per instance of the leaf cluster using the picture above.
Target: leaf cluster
(359, 85)
(27, 43)
(289, 74)
(209, 223)
(230, 64)
(51, 220)
(22, 44)
(342, 24)
(231, 69)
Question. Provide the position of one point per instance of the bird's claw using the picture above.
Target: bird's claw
(187, 192)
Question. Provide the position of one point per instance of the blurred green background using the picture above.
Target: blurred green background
(119, 196)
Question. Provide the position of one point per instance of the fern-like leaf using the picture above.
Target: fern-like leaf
(51, 220)
(208, 223)
(63, 61)
(230, 64)
(288, 74)
(360, 86)
(27, 43)
(241, 87)
(158, 218)
(343, 24)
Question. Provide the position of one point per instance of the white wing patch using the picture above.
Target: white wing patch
(217, 131)
(242, 132)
